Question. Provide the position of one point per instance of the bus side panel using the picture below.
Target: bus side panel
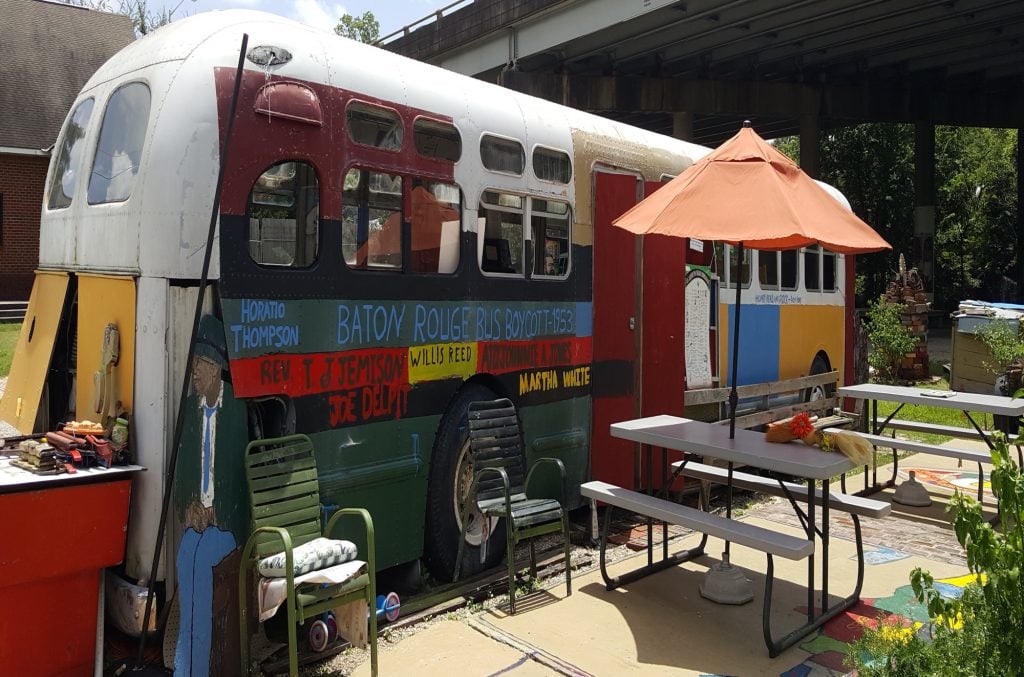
(614, 337)
(759, 341)
(805, 331)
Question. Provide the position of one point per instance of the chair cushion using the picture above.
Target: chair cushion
(319, 553)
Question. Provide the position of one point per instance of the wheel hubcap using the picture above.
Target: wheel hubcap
(475, 530)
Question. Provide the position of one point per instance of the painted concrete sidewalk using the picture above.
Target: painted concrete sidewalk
(661, 625)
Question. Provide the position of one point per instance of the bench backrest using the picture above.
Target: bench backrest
(496, 441)
(283, 490)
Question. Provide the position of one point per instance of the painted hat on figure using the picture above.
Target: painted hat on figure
(210, 344)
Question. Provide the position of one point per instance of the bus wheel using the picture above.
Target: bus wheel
(819, 392)
(451, 475)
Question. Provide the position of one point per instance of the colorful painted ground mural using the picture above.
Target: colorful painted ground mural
(900, 611)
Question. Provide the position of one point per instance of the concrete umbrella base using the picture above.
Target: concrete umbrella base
(725, 584)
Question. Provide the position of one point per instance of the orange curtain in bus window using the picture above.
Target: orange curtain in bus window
(428, 218)
(33, 352)
(105, 379)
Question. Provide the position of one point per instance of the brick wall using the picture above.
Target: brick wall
(21, 184)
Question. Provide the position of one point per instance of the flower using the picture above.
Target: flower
(801, 425)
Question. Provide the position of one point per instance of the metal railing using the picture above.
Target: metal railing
(13, 311)
(434, 16)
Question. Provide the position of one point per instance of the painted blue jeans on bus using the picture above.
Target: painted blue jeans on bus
(198, 554)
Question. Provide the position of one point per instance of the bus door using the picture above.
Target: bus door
(616, 329)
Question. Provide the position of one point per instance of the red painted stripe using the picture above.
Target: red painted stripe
(503, 357)
(301, 374)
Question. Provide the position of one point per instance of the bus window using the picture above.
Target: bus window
(502, 229)
(119, 150)
(371, 230)
(374, 126)
(549, 223)
(436, 225)
(812, 269)
(436, 139)
(768, 269)
(828, 271)
(551, 165)
(789, 263)
(727, 271)
(284, 216)
(502, 155)
(69, 159)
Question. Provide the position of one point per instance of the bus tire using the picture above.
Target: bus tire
(819, 392)
(451, 473)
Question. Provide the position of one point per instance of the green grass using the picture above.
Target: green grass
(8, 338)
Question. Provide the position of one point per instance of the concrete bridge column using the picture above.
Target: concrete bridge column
(810, 148)
(923, 256)
(682, 125)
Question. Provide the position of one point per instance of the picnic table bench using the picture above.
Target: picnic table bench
(696, 438)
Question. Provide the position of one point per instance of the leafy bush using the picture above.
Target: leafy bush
(890, 340)
(1005, 344)
(979, 633)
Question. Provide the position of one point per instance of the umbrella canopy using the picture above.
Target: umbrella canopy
(748, 192)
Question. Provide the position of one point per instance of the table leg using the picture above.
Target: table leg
(824, 541)
(810, 558)
(981, 471)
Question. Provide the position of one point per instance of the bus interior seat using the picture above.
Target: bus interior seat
(497, 256)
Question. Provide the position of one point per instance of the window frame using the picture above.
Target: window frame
(55, 180)
(99, 138)
(553, 151)
(523, 211)
(502, 137)
(319, 218)
(372, 105)
(568, 237)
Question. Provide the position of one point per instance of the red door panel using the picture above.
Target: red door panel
(615, 348)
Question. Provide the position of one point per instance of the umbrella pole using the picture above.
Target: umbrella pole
(733, 397)
(724, 583)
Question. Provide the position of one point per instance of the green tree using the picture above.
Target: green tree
(873, 166)
(144, 19)
(363, 28)
(976, 214)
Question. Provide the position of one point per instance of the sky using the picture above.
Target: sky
(391, 14)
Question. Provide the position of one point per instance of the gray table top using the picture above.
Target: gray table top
(13, 478)
(748, 448)
(949, 399)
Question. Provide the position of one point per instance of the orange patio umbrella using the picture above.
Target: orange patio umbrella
(747, 193)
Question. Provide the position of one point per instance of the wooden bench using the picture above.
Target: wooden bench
(855, 505)
(734, 531)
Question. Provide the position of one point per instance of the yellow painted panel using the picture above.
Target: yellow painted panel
(441, 360)
(806, 330)
(33, 351)
(104, 300)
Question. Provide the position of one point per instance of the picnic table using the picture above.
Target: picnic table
(708, 441)
(968, 403)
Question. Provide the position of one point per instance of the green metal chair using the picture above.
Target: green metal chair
(500, 489)
(285, 499)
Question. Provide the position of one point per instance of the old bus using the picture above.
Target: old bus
(395, 241)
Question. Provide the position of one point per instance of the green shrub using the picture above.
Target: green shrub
(890, 340)
(981, 632)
